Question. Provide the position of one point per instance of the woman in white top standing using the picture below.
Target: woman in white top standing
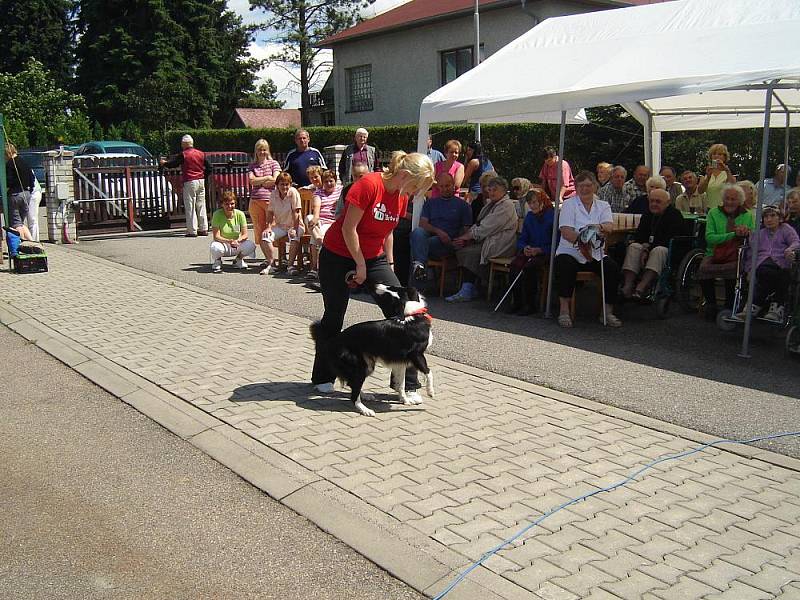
(718, 173)
(283, 220)
(572, 256)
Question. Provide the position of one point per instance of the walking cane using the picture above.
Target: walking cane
(603, 290)
(513, 283)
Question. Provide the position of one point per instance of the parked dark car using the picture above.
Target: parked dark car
(35, 158)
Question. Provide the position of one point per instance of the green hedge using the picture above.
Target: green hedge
(516, 149)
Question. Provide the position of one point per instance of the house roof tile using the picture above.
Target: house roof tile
(427, 10)
(259, 118)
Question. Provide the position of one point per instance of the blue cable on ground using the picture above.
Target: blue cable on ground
(610, 488)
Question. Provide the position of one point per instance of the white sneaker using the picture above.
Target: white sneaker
(743, 315)
(269, 269)
(324, 388)
(239, 264)
(775, 313)
(217, 266)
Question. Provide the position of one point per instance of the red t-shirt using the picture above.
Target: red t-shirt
(382, 212)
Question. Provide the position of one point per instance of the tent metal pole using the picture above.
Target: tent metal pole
(557, 206)
(648, 144)
(786, 161)
(748, 319)
(477, 60)
(422, 148)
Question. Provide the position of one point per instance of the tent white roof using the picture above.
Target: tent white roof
(668, 57)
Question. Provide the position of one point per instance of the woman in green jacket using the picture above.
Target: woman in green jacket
(727, 226)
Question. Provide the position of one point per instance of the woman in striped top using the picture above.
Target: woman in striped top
(263, 171)
(323, 214)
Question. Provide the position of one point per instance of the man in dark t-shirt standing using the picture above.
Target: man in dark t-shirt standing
(302, 157)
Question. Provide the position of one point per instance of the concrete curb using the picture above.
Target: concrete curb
(693, 435)
(419, 562)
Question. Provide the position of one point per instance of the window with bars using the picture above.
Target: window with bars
(456, 62)
(359, 88)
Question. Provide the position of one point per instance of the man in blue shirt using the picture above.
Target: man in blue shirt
(304, 156)
(442, 219)
(773, 188)
(433, 153)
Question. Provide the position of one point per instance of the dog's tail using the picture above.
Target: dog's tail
(316, 329)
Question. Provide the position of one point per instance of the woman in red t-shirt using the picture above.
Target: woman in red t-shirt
(360, 240)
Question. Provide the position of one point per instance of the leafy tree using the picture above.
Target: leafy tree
(300, 25)
(40, 113)
(264, 97)
(40, 29)
(162, 63)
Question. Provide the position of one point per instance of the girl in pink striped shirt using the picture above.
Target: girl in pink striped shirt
(322, 215)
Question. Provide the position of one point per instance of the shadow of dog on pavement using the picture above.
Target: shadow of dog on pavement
(305, 396)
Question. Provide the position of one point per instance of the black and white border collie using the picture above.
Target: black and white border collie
(396, 342)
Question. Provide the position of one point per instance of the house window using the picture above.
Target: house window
(455, 63)
(359, 88)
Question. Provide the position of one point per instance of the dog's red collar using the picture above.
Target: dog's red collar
(421, 311)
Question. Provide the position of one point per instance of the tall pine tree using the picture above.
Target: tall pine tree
(162, 63)
(298, 26)
(40, 29)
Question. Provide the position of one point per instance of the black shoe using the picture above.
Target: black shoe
(191, 235)
(202, 233)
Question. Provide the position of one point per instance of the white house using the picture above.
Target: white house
(385, 66)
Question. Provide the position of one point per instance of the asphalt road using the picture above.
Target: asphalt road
(97, 501)
(682, 370)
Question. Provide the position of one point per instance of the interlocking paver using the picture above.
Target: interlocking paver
(468, 470)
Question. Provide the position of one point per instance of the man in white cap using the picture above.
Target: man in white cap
(194, 168)
(356, 153)
(774, 187)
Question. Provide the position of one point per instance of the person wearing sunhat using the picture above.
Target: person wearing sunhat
(777, 242)
(194, 169)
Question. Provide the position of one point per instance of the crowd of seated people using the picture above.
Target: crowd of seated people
(473, 215)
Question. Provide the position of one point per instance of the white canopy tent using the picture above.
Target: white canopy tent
(675, 65)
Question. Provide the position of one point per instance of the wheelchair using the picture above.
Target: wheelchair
(728, 321)
(688, 292)
(792, 345)
(676, 281)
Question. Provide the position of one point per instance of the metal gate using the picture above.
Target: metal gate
(124, 194)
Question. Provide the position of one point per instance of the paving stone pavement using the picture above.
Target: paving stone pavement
(464, 471)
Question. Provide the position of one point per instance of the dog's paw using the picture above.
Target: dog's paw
(412, 398)
(367, 412)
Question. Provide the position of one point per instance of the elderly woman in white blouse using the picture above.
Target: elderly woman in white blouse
(572, 255)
